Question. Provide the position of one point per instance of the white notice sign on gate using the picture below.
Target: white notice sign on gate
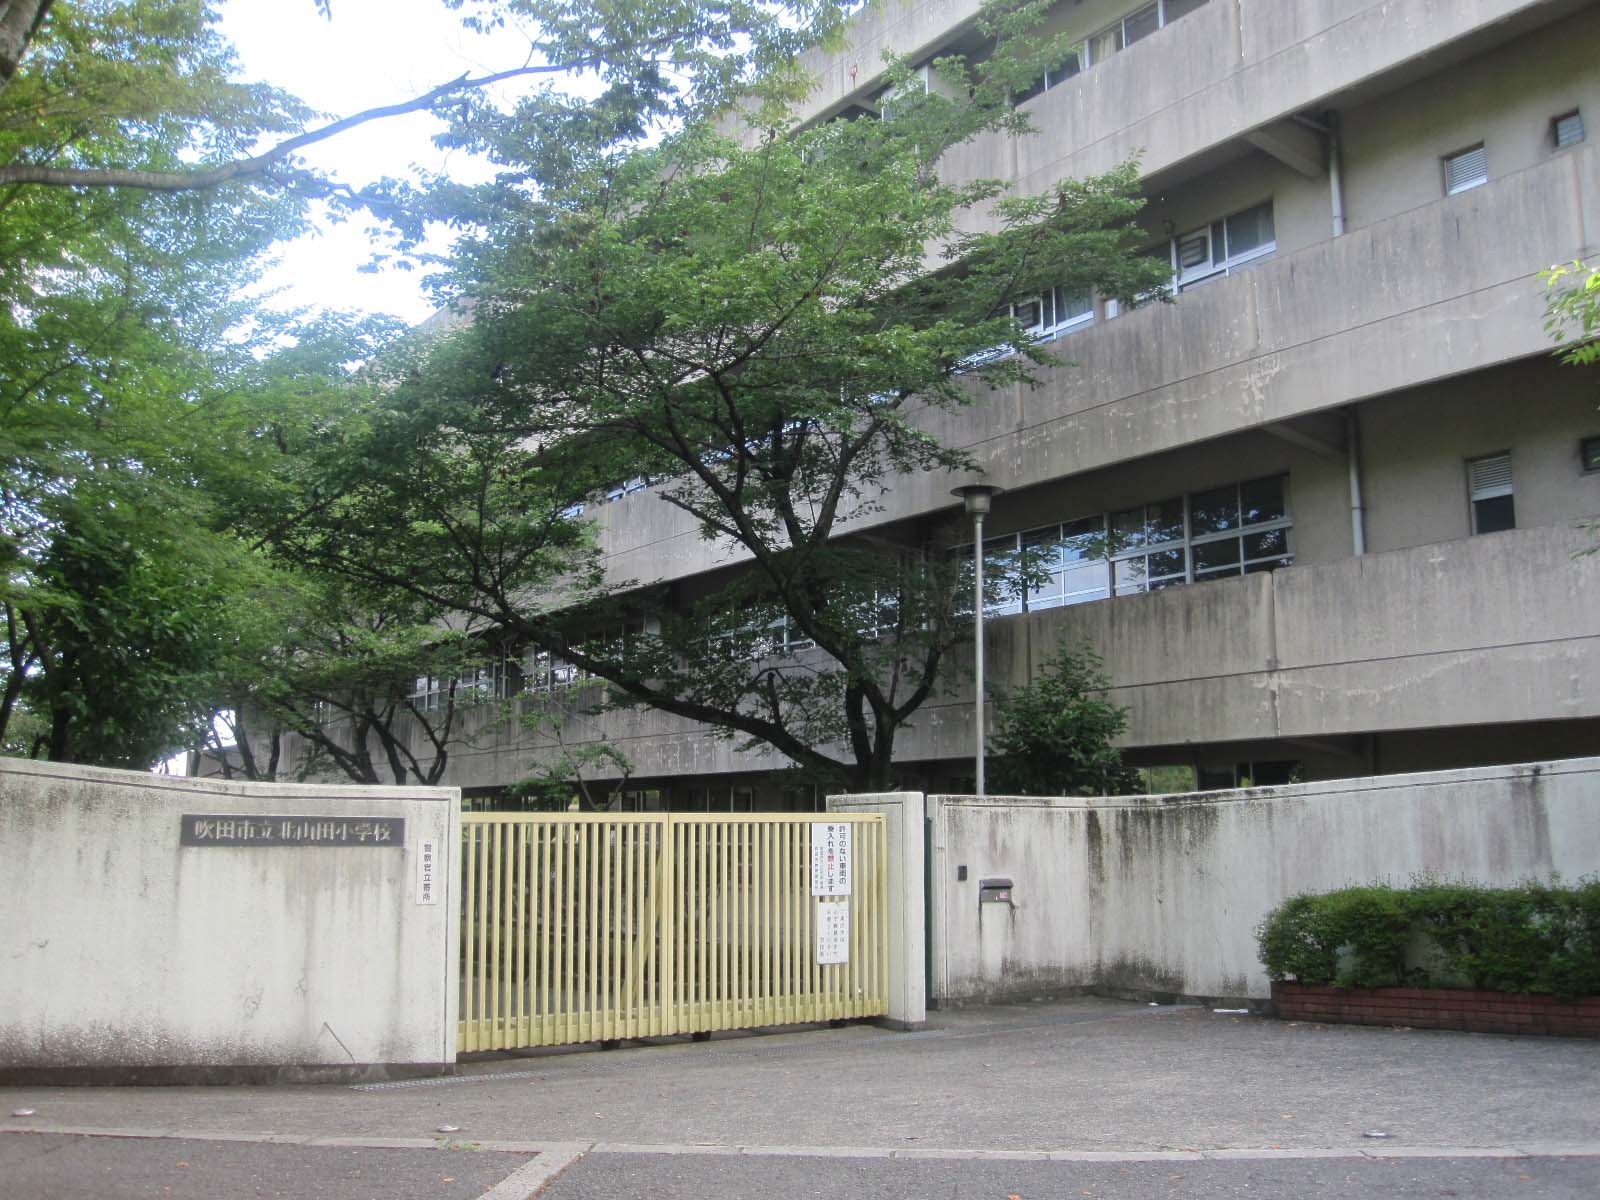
(833, 931)
(830, 858)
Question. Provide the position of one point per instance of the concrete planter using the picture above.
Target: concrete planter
(1438, 1008)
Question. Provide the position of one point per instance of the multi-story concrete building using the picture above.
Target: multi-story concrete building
(1345, 475)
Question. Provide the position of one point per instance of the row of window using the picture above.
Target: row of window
(1236, 529)
(1233, 530)
(1119, 35)
(1199, 256)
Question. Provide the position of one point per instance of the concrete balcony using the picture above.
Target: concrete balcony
(1502, 628)
(1229, 68)
(1493, 629)
(1445, 289)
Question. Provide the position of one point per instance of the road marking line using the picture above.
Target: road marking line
(533, 1177)
(568, 1152)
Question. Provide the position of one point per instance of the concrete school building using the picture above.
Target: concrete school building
(1345, 474)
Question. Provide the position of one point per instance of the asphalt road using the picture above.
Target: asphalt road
(651, 1176)
(1087, 1098)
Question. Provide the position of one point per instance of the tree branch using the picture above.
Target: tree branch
(210, 177)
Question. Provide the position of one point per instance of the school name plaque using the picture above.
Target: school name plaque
(200, 829)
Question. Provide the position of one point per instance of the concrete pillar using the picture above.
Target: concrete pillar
(903, 826)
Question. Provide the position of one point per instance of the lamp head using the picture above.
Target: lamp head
(976, 497)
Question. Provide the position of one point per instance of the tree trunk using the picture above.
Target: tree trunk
(19, 22)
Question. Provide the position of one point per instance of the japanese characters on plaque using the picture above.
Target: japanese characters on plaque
(199, 829)
(427, 871)
(830, 858)
(833, 931)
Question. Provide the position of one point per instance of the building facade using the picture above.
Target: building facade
(1321, 516)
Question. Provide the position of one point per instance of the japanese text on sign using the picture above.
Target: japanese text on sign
(833, 931)
(204, 830)
(830, 858)
(428, 871)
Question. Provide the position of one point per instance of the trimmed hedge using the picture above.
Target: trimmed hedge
(1532, 938)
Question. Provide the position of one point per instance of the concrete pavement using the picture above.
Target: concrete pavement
(1094, 1097)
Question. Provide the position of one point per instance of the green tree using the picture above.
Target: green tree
(377, 688)
(135, 67)
(1054, 736)
(134, 200)
(1572, 312)
(753, 321)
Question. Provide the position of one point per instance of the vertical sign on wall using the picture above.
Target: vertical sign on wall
(830, 858)
(833, 931)
(427, 871)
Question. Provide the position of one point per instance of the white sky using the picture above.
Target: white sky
(372, 52)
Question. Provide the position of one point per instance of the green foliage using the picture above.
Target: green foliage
(746, 315)
(119, 422)
(1534, 937)
(1572, 311)
(1054, 736)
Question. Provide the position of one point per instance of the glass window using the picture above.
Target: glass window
(1239, 528)
(1214, 557)
(1130, 575)
(1489, 482)
(1268, 544)
(1164, 520)
(1173, 9)
(1262, 500)
(1214, 511)
(1589, 454)
(1127, 529)
(1249, 230)
(1103, 45)
(1139, 25)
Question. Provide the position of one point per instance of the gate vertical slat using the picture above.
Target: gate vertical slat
(481, 942)
(469, 845)
(666, 930)
(574, 929)
(605, 950)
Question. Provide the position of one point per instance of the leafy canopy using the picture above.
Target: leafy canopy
(769, 320)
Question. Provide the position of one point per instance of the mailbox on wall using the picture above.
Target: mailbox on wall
(994, 891)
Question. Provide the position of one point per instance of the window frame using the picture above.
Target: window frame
(1213, 268)
(1589, 455)
(1032, 599)
(1083, 56)
(1477, 494)
(1574, 115)
(1480, 148)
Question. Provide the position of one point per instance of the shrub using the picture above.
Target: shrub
(1531, 938)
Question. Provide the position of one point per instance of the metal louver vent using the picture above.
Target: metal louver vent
(1568, 129)
(1465, 170)
(1490, 476)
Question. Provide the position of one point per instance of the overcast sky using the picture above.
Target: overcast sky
(372, 52)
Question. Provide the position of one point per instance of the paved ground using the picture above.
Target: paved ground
(1095, 1097)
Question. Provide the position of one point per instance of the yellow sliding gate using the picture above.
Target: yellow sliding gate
(583, 927)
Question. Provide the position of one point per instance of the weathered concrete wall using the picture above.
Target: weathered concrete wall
(903, 815)
(1164, 893)
(129, 955)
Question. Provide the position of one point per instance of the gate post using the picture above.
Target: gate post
(907, 915)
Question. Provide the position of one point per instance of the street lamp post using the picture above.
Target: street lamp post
(976, 497)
